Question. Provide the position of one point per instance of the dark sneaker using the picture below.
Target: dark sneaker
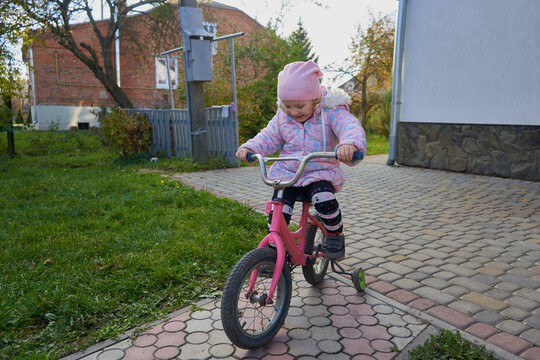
(334, 247)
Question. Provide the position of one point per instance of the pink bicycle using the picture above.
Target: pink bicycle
(257, 293)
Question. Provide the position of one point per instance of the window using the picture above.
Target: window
(161, 73)
(211, 28)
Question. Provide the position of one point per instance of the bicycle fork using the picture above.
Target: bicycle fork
(272, 238)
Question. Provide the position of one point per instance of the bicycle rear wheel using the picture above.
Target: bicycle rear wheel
(314, 273)
(247, 320)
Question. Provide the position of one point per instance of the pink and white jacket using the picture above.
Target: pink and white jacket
(295, 139)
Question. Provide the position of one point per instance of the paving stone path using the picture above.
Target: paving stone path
(447, 249)
(331, 321)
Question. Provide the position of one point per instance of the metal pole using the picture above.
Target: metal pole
(171, 100)
(396, 82)
(171, 51)
(117, 47)
(228, 36)
(196, 109)
(35, 117)
(233, 70)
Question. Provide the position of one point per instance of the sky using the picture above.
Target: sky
(330, 27)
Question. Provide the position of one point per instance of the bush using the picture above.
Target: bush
(124, 132)
(378, 117)
(19, 118)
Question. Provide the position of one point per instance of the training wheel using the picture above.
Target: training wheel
(359, 279)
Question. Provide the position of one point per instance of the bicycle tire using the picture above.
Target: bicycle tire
(314, 273)
(237, 310)
(359, 279)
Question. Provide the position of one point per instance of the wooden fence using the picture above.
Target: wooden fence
(172, 132)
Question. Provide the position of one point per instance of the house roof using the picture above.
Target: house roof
(224, 6)
(175, 2)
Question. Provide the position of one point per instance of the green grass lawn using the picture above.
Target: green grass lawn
(92, 247)
(376, 144)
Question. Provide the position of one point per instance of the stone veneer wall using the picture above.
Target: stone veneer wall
(501, 150)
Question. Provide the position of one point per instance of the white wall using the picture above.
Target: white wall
(472, 62)
(64, 116)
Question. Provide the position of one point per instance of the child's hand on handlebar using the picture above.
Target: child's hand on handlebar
(345, 153)
(242, 152)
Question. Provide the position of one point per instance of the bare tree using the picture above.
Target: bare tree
(57, 17)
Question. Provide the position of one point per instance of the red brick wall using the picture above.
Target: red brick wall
(62, 79)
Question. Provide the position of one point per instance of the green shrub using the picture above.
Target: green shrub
(124, 132)
(29, 118)
(448, 345)
(378, 117)
(19, 118)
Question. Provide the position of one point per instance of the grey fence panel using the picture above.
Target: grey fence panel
(161, 135)
(221, 132)
(166, 131)
(211, 119)
(181, 130)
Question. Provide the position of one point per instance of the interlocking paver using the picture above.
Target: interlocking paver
(483, 331)
(509, 342)
(522, 303)
(515, 313)
(531, 354)
(434, 295)
(470, 284)
(453, 317)
(531, 335)
(465, 307)
(489, 317)
(382, 286)
(446, 244)
(512, 327)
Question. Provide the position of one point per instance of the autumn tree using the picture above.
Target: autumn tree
(12, 24)
(56, 17)
(370, 63)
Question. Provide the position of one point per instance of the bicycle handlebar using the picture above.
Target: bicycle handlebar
(279, 184)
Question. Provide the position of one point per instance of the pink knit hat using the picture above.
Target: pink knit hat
(299, 81)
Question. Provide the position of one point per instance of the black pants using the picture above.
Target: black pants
(322, 195)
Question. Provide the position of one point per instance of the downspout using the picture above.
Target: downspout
(117, 47)
(35, 118)
(396, 81)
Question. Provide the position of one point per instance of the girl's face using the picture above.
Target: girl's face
(300, 110)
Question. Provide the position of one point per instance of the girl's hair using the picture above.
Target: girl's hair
(316, 104)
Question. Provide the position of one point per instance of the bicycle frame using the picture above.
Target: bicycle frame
(279, 233)
(258, 291)
(282, 238)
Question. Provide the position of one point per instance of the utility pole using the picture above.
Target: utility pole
(198, 68)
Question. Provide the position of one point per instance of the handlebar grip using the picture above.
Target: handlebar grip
(250, 158)
(358, 155)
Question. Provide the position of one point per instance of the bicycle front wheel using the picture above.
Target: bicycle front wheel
(314, 273)
(247, 320)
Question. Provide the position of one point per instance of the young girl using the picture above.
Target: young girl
(310, 119)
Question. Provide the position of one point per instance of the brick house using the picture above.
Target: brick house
(63, 91)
